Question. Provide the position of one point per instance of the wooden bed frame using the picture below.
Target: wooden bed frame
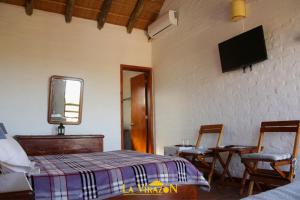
(51, 145)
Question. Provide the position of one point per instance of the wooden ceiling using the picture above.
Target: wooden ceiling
(130, 13)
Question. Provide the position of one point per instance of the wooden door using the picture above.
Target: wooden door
(138, 113)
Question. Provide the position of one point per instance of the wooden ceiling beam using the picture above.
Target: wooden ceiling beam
(29, 7)
(135, 14)
(119, 13)
(69, 10)
(85, 9)
(106, 5)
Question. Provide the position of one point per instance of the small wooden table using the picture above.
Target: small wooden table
(231, 149)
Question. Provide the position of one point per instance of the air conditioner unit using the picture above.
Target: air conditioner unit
(162, 23)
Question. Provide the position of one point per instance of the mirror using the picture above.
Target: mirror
(65, 100)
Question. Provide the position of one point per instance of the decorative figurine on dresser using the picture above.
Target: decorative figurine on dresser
(61, 129)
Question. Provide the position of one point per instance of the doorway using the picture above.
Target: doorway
(136, 108)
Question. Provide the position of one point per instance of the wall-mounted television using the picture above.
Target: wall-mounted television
(243, 50)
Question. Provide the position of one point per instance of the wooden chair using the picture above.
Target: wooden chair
(198, 156)
(274, 176)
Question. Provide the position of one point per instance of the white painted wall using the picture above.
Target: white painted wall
(190, 88)
(33, 48)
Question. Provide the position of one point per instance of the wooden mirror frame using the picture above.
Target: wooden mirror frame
(50, 107)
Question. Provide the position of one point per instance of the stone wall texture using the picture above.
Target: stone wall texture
(190, 88)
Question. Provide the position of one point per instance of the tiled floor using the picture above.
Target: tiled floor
(226, 191)
(221, 192)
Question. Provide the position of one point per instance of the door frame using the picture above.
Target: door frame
(149, 72)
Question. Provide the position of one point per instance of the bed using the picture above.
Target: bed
(290, 192)
(102, 175)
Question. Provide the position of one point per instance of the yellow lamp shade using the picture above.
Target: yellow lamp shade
(238, 10)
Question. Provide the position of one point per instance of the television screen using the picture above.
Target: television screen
(243, 50)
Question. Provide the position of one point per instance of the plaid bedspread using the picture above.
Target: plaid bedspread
(103, 175)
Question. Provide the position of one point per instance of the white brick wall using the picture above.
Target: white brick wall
(190, 88)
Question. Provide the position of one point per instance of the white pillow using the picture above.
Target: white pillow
(12, 153)
(6, 168)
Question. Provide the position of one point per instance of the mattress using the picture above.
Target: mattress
(287, 192)
(103, 175)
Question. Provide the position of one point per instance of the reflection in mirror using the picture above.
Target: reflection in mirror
(65, 100)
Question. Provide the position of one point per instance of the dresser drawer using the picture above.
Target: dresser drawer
(51, 145)
(82, 145)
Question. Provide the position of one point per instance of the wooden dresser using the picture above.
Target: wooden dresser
(53, 144)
